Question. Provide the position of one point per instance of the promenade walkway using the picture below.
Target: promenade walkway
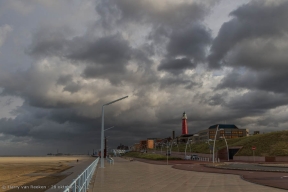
(135, 176)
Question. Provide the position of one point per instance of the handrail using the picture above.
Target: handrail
(82, 181)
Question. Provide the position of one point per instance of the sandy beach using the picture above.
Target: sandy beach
(34, 173)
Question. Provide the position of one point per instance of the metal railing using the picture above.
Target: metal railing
(81, 183)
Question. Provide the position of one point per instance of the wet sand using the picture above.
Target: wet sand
(34, 173)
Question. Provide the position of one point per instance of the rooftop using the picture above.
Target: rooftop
(224, 126)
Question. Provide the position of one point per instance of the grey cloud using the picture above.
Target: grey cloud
(257, 101)
(148, 12)
(189, 41)
(64, 79)
(176, 66)
(50, 40)
(110, 50)
(260, 54)
(217, 99)
(123, 45)
(251, 21)
(169, 82)
(266, 80)
(72, 87)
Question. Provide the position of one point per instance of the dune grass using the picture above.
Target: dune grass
(150, 156)
(268, 144)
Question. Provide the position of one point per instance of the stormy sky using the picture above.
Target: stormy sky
(220, 61)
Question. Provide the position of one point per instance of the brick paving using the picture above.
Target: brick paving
(136, 176)
(272, 179)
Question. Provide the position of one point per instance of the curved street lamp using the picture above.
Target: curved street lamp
(214, 144)
(188, 141)
(102, 129)
(172, 145)
(108, 128)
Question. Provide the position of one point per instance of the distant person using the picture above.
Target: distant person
(77, 160)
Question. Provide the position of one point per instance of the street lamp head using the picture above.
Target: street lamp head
(115, 100)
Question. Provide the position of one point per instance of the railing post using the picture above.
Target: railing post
(85, 173)
(75, 187)
(78, 183)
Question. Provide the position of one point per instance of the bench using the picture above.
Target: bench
(110, 160)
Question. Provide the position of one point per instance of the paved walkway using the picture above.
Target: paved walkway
(131, 176)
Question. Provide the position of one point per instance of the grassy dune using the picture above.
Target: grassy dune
(149, 156)
(268, 144)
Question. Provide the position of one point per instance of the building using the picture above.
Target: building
(184, 124)
(150, 144)
(256, 132)
(136, 147)
(229, 131)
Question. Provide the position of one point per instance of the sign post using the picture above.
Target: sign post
(253, 148)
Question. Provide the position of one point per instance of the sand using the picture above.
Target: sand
(33, 173)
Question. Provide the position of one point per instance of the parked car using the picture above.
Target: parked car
(195, 157)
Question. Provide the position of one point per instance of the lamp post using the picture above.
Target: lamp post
(214, 144)
(167, 146)
(102, 130)
(188, 141)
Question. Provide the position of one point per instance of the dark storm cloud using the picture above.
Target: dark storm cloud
(49, 41)
(260, 54)
(110, 50)
(177, 81)
(72, 115)
(33, 86)
(217, 99)
(74, 73)
(72, 87)
(252, 21)
(189, 41)
(69, 84)
(179, 24)
(257, 101)
(125, 11)
(176, 65)
(267, 80)
(64, 79)
(60, 125)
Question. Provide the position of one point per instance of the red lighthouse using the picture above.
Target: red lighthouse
(184, 124)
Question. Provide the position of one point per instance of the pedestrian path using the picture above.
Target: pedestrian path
(131, 176)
